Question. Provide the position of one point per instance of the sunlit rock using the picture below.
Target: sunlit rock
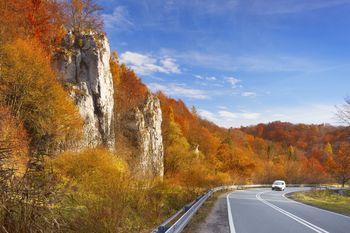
(83, 65)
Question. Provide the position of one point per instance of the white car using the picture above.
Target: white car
(279, 185)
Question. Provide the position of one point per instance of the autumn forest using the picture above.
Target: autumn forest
(48, 185)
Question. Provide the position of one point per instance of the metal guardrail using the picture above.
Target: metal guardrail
(184, 215)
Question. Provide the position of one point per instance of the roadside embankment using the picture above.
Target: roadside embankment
(338, 202)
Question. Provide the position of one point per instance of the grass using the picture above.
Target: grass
(203, 212)
(325, 199)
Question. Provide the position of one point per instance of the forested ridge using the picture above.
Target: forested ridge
(46, 186)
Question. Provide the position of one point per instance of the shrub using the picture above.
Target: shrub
(29, 87)
(102, 195)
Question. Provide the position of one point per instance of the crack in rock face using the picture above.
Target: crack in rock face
(84, 67)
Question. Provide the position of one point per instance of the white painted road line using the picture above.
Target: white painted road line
(292, 216)
(230, 218)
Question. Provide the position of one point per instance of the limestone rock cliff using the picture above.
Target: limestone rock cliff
(84, 66)
(144, 128)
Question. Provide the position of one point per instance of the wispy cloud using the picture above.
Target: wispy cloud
(207, 115)
(232, 81)
(207, 78)
(223, 107)
(178, 90)
(248, 94)
(309, 114)
(118, 19)
(250, 115)
(218, 61)
(292, 6)
(226, 118)
(146, 64)
(262, 63)
(227, 114)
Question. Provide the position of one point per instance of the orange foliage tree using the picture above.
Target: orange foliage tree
(40, 19)
(130, 91)
(129, 94)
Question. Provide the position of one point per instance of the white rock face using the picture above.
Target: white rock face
(85, 67)
(145, 124)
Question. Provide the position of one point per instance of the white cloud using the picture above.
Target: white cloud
(233, 81)
(118, 20)
(178, 90)
(250, 115)
(308, 114)
(248, 94)
(207, 115)
(227, 114)
(227, 118)
(146, 64)
(208, 78)
(169, 65)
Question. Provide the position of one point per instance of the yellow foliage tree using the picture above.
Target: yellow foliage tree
(338, 164)
(29, 87)
(13, 143)
(177, 149)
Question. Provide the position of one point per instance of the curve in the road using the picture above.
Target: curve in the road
(266, 211)
(328, 211)
(292, 216)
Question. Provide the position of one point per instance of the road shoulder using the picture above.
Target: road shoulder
(211, 217)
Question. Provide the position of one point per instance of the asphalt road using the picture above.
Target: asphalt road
(266, 211)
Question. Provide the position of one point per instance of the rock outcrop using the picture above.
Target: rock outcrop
(84, 67)
(144, 126)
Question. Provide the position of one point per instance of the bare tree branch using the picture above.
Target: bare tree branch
(83, 16)
(343, 112)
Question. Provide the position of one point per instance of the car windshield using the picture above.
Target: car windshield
(278, 183)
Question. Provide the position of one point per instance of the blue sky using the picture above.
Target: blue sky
(240, 62)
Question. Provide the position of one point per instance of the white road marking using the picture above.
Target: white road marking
(292, 216)
(230, 218)
(328, 211)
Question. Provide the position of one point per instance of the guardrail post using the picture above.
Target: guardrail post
(187, 207)
(162, 229)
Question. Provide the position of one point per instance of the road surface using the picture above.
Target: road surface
(266, 211)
